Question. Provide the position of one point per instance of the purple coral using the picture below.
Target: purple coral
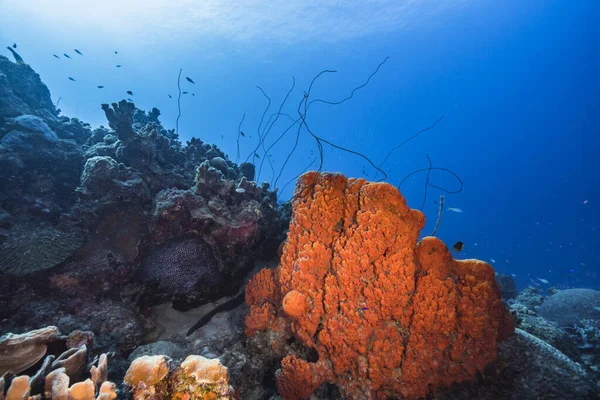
(182, 265)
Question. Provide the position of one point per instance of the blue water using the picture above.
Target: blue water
(516, 82)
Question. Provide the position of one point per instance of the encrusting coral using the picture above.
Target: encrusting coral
(387, 316)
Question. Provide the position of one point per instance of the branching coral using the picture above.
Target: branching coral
(120, 118)
(386, 315)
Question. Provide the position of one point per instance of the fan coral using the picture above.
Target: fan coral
(387, 316)
(182, 264)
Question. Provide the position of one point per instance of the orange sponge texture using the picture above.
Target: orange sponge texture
(387, 315)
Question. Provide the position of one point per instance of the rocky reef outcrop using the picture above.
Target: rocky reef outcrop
(99, 225)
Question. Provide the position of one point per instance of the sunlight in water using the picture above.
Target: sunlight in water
(245, 20)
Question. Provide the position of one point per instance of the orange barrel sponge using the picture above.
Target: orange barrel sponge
(388, 316)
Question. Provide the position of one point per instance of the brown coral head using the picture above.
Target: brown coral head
(294, 304)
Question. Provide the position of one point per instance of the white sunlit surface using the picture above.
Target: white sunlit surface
(247, 20)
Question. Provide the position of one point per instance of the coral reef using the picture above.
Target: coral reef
(92, 224)
(566, 330)
(39, 171)
(239, 216)
(23, 92)
(84, 214)
(568, 307)
(82, 208)
(354, 285)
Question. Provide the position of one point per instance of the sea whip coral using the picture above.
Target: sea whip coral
(387, 316)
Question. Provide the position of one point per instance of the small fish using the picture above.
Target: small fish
(256, 155)
(597, 308)
(454, 209)
(242, 133)
(193, 95)
(190, 80)
(129, 92)
(71, 79)
(571, 270)
(118, 65)
(100, 87)
(240, 190)
(14, 45)
(222, 137)
(116, 52)
(78, 52)
(513, 275)
(66, 55)
(56, 56)
(365, 308)
(492, 260)
(458, 246)
(543, 280)
(170, 96)
(585, 202)
(184, 92)
(129, 100)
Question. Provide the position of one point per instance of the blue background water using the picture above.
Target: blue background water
(517, 82)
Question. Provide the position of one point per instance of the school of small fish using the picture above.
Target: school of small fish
(129, 92)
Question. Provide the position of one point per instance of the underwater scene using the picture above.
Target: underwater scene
(264, 200)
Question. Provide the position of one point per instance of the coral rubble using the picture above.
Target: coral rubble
(387, 316)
